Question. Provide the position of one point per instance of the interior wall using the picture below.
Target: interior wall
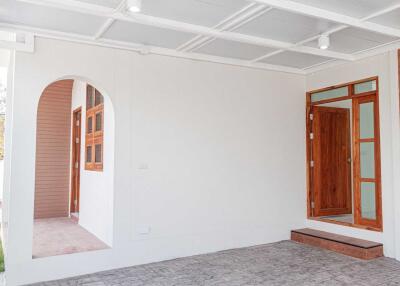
(207, 156)
(96, 188)
(53, 141)
(382, 66)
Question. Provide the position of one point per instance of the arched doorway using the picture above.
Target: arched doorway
(74, 169)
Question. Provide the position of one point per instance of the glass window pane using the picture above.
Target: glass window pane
(88, 154)
(365, 87)
(368, 205)
(89, 97)
(99, 121)
(89, 125)
(98, 98)
(329, 94)
(367, 160)
(367, 127)
(97, 155)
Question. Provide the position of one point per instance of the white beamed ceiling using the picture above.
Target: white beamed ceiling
(239, 32)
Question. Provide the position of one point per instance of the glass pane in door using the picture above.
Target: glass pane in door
(367, 160)
(368, 204)
(367, 128)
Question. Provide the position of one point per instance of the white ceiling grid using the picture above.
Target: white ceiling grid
(264, 34)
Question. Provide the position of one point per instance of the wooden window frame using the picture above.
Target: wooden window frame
(96, 137)
(370, 96)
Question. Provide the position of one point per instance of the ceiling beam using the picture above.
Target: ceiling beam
(334, 30)
(138, 18)
(239, 22)
(234, 21)
(312, 11)
(108, 23)
(199, 38)
(300, 46)
(78, 38)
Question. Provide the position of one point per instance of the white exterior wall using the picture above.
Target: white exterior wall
(96, 188)
(207, 156)
(384, 66)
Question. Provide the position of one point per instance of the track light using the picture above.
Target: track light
(323, 42)
(134, 6)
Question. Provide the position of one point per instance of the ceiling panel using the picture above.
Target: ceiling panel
(20, 13)
(391, 19)
(295, 59)
(236, 50)
(285, 26)
(200, 12)
(106, 3)
(146, 35)
(354, 8)
(353, 40)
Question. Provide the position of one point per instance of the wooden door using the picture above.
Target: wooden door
(76, 160)
(331, 156)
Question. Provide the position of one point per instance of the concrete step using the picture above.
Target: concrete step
(350, 246)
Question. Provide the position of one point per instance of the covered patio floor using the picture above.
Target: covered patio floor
(281, 263)
(58, 236)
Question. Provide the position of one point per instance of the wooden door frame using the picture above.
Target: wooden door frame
(357, 177)
(377, 225)
(73, 168)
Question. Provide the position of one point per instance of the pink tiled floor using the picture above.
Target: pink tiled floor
(57, 236)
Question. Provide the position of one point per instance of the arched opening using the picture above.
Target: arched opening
(73, 209)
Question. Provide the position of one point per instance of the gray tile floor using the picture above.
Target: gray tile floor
(281, 263)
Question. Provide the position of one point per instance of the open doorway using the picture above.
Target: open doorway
(343, 153)
(76, 163)
(74, 174)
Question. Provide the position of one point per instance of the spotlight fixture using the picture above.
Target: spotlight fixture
(323, 42)
(134, 6)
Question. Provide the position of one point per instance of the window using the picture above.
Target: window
(89, 125)
(94, 129)
(98, 153)
(343, 154)
(99, 121)
(88, 154)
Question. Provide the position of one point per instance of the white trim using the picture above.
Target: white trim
(44, 33)
(384, 48)
(395, 112)
(28, 45)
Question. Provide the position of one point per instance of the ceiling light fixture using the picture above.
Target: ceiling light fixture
(134, 6)
(324, 42)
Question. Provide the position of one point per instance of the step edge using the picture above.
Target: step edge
(338, 241)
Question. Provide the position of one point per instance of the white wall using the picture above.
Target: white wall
(383, 66)
(96, 188)
(207, 156)
(7, 148)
